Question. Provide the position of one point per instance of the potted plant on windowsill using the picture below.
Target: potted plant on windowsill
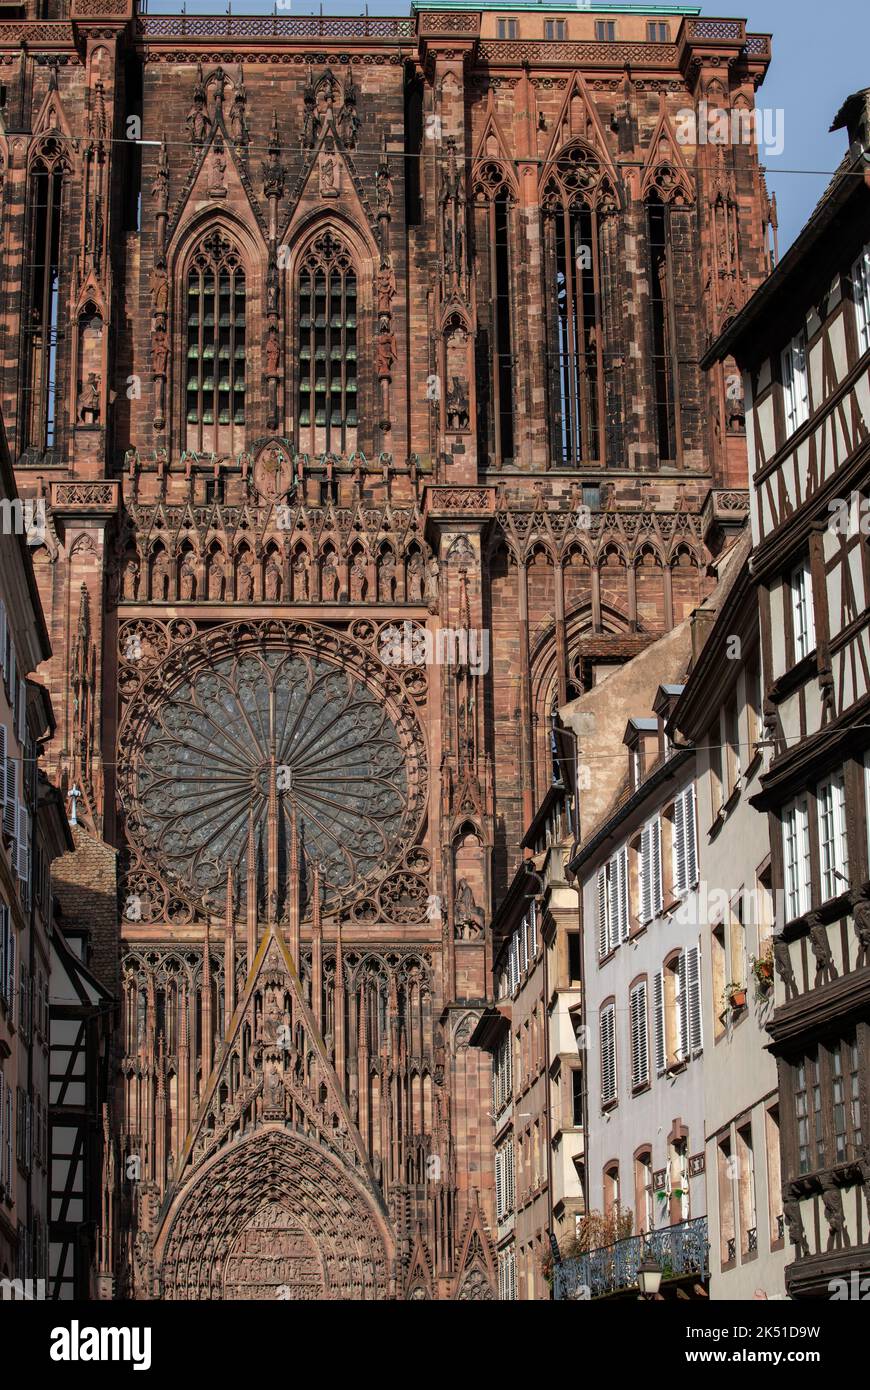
(762, 971)
(735, 996)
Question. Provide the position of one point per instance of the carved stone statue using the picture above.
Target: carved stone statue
(329, 578)
(245, 581)
(159, 289)
(358, 580)
(273, 352)
(187, 577)
(386, 352)
(386, 286)
(217, 578)
(238, 124)
(272, 578)
(431, 591)
(217, 187)
(159, 352)
(88, 401)
(160, 576)
(328, 170)
(415, 578)
(130, 587)
(468, 918)
(387, 577)
(197, 121)
(301, 586)
(457, 404)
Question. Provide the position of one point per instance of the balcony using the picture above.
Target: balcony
(680, 1250)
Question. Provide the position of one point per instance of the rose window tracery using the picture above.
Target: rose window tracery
(223, 720)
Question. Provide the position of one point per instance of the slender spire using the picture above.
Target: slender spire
(207, 1026)
(339, 1008)
(294, 887)
(272, 844)
(317, 955)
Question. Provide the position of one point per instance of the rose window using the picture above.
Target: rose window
(340, 751)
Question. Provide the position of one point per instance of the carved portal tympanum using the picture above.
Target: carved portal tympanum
(274, 1257)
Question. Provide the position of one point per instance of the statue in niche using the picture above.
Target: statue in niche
(431, 591)
(301, 587)
(273, 352)
(386, 352)
(387, 577)
(159, 289)
(328, 170)
(416, 577)
(187, 576)
(130, 583)
(457, 404)
(348, 120)
(217, 577)
(272, 285)
(159, 352)
(358, 580)
(238, 124)
(197, 121)
(88, 401)
(217, 187)
(272, 578)
(386, 284)
(384, 183)
(468, 918)
(245, 580)
(309, 120)
(160, 576)
(329, 578)
(215, 94)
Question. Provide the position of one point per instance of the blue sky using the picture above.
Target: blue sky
(821, 53)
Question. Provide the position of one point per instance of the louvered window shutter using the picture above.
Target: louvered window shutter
(608, 1055)
(645, 874)
(10, 970)
(3, 637)
(2, 766)
(639, 1039)
(11, 674)
(622, 867)
(682, 1019)
(679, 850)
(10, 810)
(602, 912)
(22, 713)
(691, 838)
(4, 945)
(659, 1023)
(656, 870)
(693, 998)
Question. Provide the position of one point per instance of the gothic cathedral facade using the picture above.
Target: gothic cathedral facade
(356, 362)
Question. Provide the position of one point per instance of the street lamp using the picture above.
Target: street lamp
(649, 1277)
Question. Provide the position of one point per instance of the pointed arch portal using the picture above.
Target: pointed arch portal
(275, 1216)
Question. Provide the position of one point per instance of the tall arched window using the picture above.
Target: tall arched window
(661, 327)
(492, 234)
(327, 348)
(216, 346)
(43, 327)
(577, 195)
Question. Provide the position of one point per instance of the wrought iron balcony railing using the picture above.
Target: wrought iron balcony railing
(680, 1250)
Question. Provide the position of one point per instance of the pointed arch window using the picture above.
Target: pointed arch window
(215, 325)
(43, 328)
(492, 230)
(327, 347)
(661, 327)
(577, 197)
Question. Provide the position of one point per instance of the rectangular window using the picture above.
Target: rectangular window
(808, 1114)
(803, 617)
(861, 294)
(714, 750)
(605, 30)
(658, 33)
(574, 958)
(577, 1098)
(659, 1043)
(507, 29)
(796, 856)
(795, 384)
(746, 1190)
(639, 1036)
(607, 1031)
(833, 849)
(774, 1179)
(555, 30)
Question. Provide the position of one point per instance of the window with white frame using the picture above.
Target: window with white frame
(796, 857)
(802, 615)
(650, 870)
(684, 848)
(861, 295)
(677, 1025)
(607, 1037)
(795, 384)
(502, 1075)
(639, 1030)
(833, 849)
(507, 1275)
(504, 1181)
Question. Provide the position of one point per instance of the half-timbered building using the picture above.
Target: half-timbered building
(803, 342)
